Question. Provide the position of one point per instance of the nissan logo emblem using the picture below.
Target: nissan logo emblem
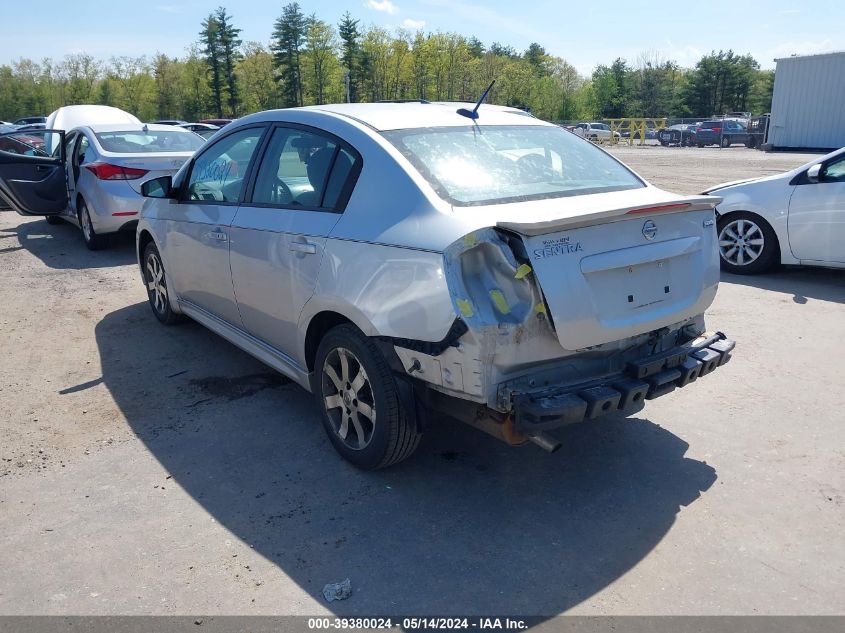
(649, 230)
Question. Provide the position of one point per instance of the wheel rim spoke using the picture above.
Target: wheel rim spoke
(367, 411)
(359, 430)
(334, 401)
(360, 380)
(343, 431)
(344, 366)
(332, 374)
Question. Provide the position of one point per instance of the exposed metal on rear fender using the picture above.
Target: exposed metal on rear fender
(488, 285)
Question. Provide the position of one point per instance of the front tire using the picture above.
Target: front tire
(93, 241)
(155, 279)
(747, 244)
(360, 403)
(53, 220)
(726, 142)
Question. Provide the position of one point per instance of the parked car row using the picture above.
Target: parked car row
(723, 132)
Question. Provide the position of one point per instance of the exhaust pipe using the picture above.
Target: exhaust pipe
(545, 441)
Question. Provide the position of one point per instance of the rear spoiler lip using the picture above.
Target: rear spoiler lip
(683, 204)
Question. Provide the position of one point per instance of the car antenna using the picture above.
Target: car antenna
(473, 114)
(145, 128)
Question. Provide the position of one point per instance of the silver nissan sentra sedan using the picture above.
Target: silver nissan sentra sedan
(409, 260)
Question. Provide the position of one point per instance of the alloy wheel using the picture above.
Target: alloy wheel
(86, 223)
(348, 397)
(741, 242)
(156, 283)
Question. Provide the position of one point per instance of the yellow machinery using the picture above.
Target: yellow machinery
(636, 129)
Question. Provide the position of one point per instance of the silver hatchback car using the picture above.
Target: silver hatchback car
(407, 260)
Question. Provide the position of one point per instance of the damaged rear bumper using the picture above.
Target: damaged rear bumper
(643, 379)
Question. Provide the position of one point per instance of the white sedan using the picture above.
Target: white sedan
(796, 218)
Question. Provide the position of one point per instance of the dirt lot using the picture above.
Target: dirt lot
(160, 470)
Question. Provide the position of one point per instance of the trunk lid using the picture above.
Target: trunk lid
(612, 273)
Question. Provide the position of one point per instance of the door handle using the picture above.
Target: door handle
(303, 247)
(220, 236)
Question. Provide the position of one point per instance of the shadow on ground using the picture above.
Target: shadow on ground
(467, 525)
(802, 283)
(61, 246)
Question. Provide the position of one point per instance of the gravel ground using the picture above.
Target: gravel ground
(157, 470)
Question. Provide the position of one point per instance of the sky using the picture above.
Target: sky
(585, 34)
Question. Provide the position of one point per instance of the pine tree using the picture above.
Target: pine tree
(230, 43)
(351, 53)
(288, 37)
(210, 41)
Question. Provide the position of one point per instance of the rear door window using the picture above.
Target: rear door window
(302, 168)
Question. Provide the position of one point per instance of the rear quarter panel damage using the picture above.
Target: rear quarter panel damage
(385, 290)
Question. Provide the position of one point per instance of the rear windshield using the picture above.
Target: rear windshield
(138, 142)
(499, 164)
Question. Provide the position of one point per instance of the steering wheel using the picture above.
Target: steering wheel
(281, 193)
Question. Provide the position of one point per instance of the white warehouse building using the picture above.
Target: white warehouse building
(808, 103)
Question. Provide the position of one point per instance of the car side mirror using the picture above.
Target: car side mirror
(814, 172)
(161, 187)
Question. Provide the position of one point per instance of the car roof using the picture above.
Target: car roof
(398, 116)
(70, 117)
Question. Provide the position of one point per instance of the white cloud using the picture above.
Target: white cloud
(686, 56)
(383, 5)
(415, 25)
(797, 47)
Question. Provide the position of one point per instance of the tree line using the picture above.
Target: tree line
(310, 61)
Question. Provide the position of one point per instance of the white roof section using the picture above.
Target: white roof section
(399, 116)
(69, 117)
(800, 57)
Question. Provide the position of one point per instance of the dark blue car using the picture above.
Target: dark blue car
(724, 133)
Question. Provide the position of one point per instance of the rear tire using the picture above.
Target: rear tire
(360, 403)
(748, 245)
(726, 142)
(93, 241)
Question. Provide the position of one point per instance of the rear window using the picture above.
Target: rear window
(709, 125)
(140, 142)
(499, 164)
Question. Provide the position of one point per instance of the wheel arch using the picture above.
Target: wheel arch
(144, 238)
(318, 326)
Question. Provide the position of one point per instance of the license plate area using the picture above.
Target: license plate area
(628, 289)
